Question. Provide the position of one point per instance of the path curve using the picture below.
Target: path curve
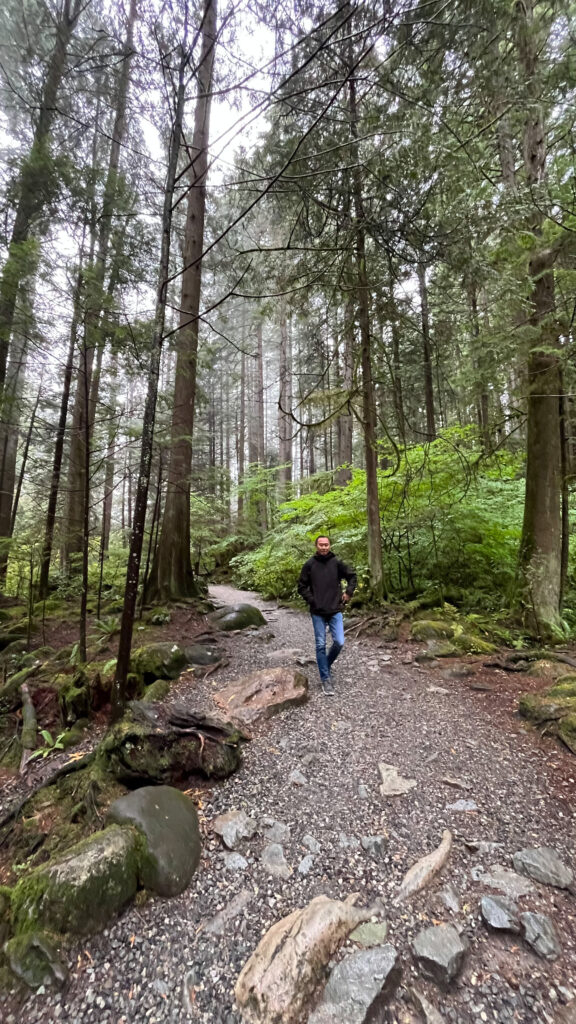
(161, 963)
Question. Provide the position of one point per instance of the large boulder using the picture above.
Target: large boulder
(428, 629)
(440, 952)
(263, 694)
(158, 661)
(237, 616)
(168, 822)
(152, 745)
(290, 960)
(168, 660)
(79, 892)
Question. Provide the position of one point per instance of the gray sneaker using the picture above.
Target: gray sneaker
(328, 687)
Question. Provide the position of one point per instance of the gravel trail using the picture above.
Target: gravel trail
(167, 961)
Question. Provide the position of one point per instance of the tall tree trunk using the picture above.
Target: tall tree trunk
(172, 575)
(84, 409)
(345, 422)
(368, 398)
(9, 434)
(284, 407)
(426, 354)
(541, 543)
(34, 180)
(118, 700)
(242, 423)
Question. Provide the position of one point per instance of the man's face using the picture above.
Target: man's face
(322, 545)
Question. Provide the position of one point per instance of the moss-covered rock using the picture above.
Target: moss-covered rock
(79, 892)
(237, 616)
(74, 698)
(564, 687)
(35, 959)
(546, 669)
(158, 661)
(10, 695)
(427, 629)
(140, 752)
(75, 734)
(540, 708)
(469, 644)
(158, 690)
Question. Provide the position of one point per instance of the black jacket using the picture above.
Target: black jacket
(319, 583)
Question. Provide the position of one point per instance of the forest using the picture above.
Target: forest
(274, 271)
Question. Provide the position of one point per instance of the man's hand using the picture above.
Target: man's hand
(345, 598)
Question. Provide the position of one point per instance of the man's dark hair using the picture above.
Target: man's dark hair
(320, 536)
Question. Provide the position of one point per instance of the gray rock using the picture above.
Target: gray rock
(463, 805)
(359, 988)
(306, 864)
(234, 862)
(440, 952)
(278, 832)
(237, 616)
(363, 792)
(425, 1008)
(311, 844)
(540, 934)
(506, 881)
(482, 847)
(500, 914)
(296, 778)
(169, 823)
(376, 846)
(218, 925)
(372, 933)
(233, 827)
(274, 861)
(35, 959)
(348, 842)
(285, 657)
(450, 899)
(543, 865)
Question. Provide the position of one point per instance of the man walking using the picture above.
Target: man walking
(320, 585)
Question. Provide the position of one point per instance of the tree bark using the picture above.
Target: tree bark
(172, 575)
(118, 700)
(427, 355)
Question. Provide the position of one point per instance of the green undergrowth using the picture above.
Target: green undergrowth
(451, 525)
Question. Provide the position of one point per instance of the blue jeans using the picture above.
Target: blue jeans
(336, 626)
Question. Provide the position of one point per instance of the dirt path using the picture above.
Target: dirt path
(165, 962)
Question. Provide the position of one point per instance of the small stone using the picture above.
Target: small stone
(440, 952)
(217, 925)
(375, 845)
(504, 880)
(234, 826)
(311, 844)
(306, 864)
(500, 914)
(465, 806)
(540, 933)
(437, 689)
(363, 792)
(450, 899)
(394, 784)
(234, 861)
(543, 865)
(296, 778)
(372, 933)
(274, 861)
(347, 842)
(278, 832)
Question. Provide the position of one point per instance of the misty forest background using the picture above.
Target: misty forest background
(275, 270)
